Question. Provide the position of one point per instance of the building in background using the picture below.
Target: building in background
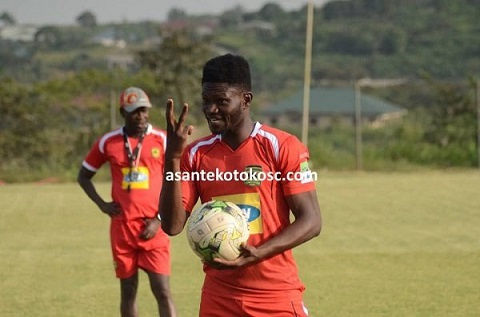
(332, 104)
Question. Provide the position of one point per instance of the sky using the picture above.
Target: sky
(65, 12)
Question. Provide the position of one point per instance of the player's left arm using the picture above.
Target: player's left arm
(307, 225)
(301, 197)
(306, 210)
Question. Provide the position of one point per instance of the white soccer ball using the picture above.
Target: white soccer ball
(217, 229)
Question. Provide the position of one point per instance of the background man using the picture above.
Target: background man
(135, 153)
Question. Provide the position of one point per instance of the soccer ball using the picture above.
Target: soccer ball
(217, 229)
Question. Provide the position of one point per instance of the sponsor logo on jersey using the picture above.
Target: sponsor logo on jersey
(306, 173)
(250, 205)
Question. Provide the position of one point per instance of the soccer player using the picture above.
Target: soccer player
(135, 154)
(264, 280)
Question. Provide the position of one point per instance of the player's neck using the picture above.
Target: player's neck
(236, 137)
(133, 132)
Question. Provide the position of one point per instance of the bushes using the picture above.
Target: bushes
(399, 145)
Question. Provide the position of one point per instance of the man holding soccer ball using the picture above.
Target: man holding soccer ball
(263, 280)
(135, 153)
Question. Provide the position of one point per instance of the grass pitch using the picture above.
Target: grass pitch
(392, 245)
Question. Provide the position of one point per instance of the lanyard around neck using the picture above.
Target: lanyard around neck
(133, 156)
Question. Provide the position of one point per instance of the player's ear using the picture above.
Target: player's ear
(247, 98)
(122, 112)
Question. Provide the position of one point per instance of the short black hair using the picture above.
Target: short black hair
(228, 68)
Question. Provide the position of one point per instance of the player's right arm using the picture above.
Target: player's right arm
(84, 179)
(170, 207)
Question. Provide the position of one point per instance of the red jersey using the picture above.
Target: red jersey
(273, 156)
(141, 199)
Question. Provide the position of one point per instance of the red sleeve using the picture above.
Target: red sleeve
(293, 162)
(95, 158)
(189, 189)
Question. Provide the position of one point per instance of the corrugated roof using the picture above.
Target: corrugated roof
(331, 101)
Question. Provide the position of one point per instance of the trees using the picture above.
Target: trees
(55, 119)
(440, 128)
(177, 66)
(176, 14)
(232, 18)
(452, 128)
(87, 19)
(48, 37)
(23, 120)
(271, 12)
(7, 18)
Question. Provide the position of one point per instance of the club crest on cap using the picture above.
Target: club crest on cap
(133, 98)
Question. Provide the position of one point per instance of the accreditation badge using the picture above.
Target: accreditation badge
(136, 178)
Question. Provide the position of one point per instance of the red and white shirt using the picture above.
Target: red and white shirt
(267, 151)
(141, 201)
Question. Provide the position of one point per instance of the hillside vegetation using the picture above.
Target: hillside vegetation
(60, 88)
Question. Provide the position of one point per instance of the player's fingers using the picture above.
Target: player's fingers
(218, 264)
(146, 234)
(183, 114)
(188, 130)
(169, 113)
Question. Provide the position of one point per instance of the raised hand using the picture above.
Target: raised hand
(177, 131)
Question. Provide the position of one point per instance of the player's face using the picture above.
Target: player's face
(136, 121)
(224, 107)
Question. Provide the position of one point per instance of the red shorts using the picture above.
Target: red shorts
(130, 252)
(216, 306)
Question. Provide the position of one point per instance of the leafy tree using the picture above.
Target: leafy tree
(271, 12)
(393, 41)
(232, 18)
(354, 43)
(176, 14)
(23, 117)
(7, 18)
(453, 123)
(87, 19)
(48, 36)
(440, 130)
(177, 66)
(47, 128)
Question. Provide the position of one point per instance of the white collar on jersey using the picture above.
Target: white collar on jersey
(255, 130)
(149, 129)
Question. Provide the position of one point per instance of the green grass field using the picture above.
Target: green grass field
(392, 245)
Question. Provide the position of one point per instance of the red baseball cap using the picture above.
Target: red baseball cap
(133, 98)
